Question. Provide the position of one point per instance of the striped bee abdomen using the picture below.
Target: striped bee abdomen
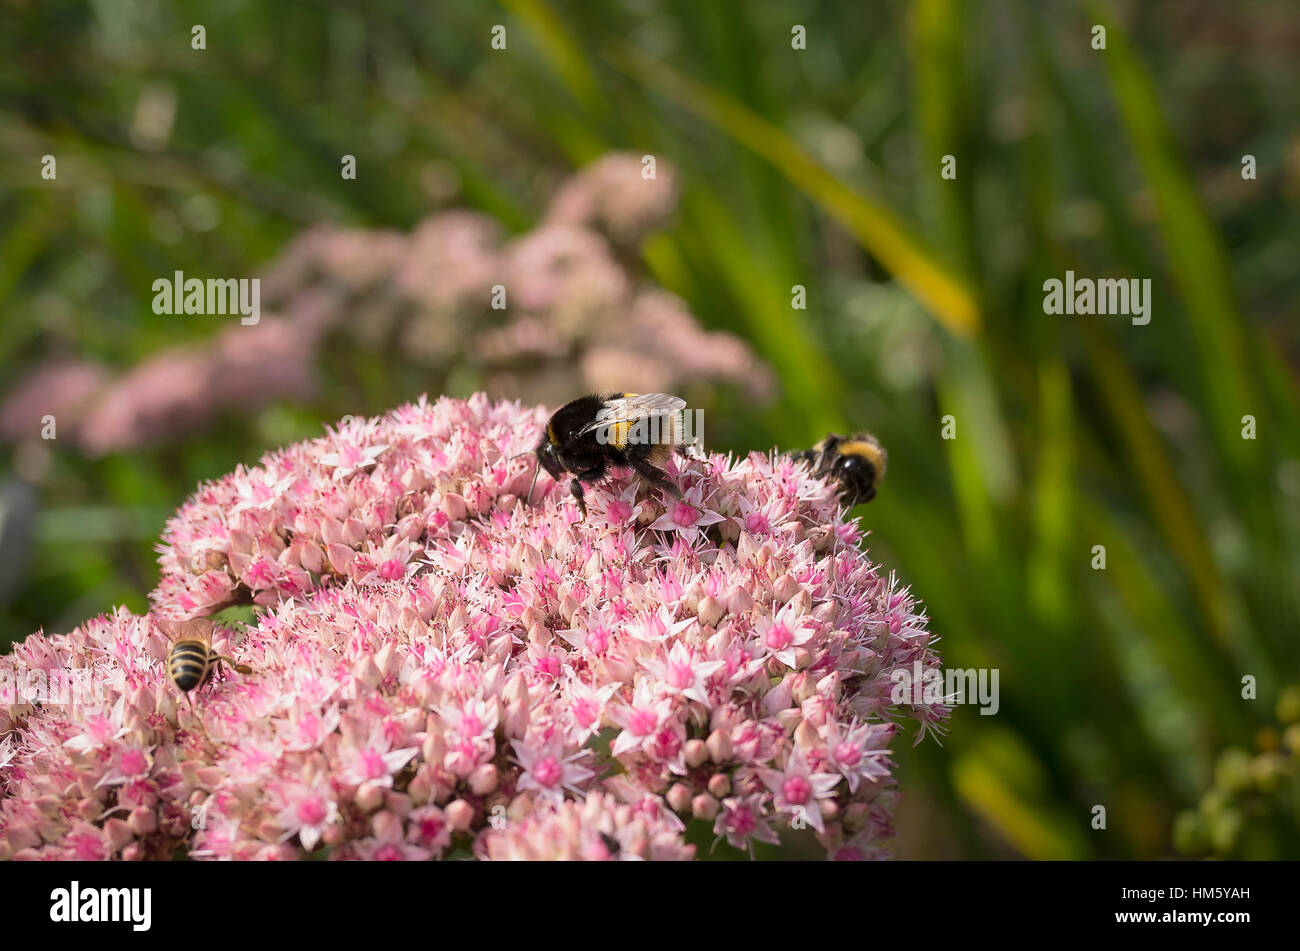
(189, 663)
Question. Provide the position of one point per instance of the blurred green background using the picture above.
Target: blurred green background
(817, 167)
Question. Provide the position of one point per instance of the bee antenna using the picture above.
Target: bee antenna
(536, 470)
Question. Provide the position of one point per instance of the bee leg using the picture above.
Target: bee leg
(575, 488)
(595, 473)
(238, 668)
(656, 477)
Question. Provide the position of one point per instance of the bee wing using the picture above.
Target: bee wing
(634, 406)
(199, 628)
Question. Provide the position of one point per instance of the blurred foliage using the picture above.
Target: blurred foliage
(817, 167)
(1251, 795)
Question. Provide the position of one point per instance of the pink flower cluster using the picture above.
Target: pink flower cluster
(442, 669)
(597, 828)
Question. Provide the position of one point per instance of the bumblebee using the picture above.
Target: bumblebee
(592, 434)
(856, 464)
(191, 661)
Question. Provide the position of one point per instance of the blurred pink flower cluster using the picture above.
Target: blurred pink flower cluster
(529, 314)
(442, 669)
(541, 316)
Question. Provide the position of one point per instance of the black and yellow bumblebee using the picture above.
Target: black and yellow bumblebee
(191, 661)
(855, 463)
(592, 434)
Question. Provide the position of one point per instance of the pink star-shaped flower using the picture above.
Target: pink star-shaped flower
(680, 672)
(687, 516)
(549, 771)
(796, 789)
(779, 635)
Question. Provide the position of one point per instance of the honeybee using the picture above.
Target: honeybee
(855, 463)
(191, 661)
(591, 434)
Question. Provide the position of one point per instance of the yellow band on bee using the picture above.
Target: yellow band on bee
(865, 449)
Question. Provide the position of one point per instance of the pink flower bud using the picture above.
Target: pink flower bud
(785, 588)
(805, 735)
(454, 507)
(369, 797)
(695, 752)
(384, 659)
(365, 671)
(433, 748)
(738, 600)
(516, 689)
(719, 746)
(460, 814)
(268, 829)
(385, 825)
(679, 797)
(354, 533)
(704, 807)
(190, 772)
(398, 803)
(89, 787)
(710, 611)
(746, 551)
(420, 786)
(855, 816)
(459, 762)
(444, 784)
(802, 686)
(831, 685)
(210, 776)
(483, 779)
(340, 557)
(720, 785)
(516, 718)
(312, 558)
(143, 821)
(118, 833)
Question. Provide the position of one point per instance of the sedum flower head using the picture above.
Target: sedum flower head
(441, 669)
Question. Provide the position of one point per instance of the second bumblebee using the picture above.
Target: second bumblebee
(856, 464)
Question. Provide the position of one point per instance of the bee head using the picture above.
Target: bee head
(858, 475)
(857, 467)
(548, 457)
